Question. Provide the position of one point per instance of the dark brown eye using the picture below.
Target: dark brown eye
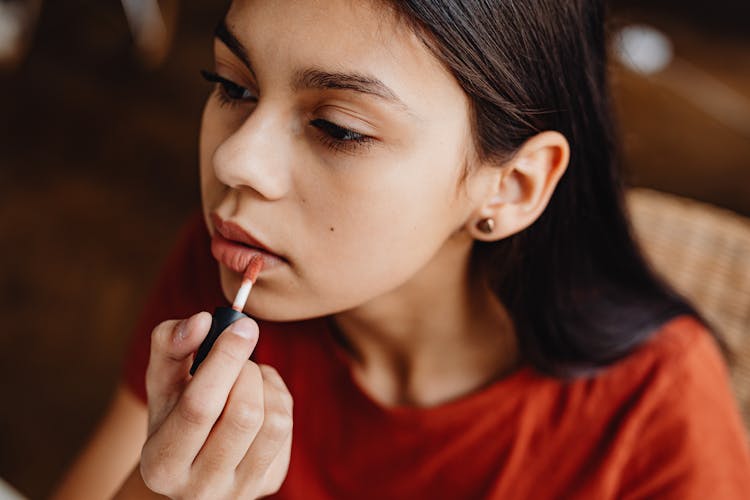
(338, 138)
(228, 91)
(337, 132)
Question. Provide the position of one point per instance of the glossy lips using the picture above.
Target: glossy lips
(234, 247)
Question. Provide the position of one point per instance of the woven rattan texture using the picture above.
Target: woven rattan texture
(704, 252)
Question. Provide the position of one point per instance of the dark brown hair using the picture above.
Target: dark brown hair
(575, 283)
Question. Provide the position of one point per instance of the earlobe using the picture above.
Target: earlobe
(486, 225)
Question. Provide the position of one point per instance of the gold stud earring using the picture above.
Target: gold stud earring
(486, 225)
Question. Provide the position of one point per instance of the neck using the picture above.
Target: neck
(435, 338)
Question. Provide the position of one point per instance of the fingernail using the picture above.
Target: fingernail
(244, 328)
(180, 331)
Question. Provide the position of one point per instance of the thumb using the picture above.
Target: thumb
(172, 345)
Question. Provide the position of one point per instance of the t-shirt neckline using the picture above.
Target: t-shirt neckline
(487, 396)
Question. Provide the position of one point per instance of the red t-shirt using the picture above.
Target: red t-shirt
(661, 423)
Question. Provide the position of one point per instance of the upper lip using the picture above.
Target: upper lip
(233, 231)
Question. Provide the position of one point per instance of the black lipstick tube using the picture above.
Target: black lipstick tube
(222, 318)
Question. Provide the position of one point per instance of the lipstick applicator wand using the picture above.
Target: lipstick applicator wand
(225, 316)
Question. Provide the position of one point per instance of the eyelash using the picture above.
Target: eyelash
(334, 137)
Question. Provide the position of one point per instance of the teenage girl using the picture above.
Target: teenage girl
(451, 303)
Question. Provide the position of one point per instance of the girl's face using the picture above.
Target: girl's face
(342, 150)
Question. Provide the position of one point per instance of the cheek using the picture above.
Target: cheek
(383, 234)
(375, 246)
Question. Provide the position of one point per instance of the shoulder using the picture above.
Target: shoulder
(681, 349)
(681, 343)
(680, 367)
(679, 373)
(681, 356)
(689, 435)
(660, 423)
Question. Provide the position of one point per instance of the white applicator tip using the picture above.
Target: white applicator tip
(251, 274)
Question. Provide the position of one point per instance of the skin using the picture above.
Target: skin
(377, 236)
(265, 166)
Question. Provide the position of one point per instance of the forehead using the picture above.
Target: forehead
(285, 37)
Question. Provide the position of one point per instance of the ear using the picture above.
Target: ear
(523, 189)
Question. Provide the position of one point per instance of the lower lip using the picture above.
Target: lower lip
(236, 256)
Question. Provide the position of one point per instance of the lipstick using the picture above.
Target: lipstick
(248, 279)
(225, 316)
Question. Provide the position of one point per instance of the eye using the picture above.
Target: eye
(334, 137)
(338, 138)
(229, 93)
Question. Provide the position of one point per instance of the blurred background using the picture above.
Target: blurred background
(100, 104)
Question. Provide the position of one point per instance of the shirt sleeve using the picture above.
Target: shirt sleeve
(694, 444)
(187, 283)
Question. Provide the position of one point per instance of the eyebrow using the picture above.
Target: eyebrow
(316, 78)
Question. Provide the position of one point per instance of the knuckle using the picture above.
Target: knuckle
(268, 370)
(246, 417)
(194, 410)
(205, 490)
(287, 400)
(275, 385)
(270, 488)
(213, 463)
(231, 348)
(157, 475)
(272, 375)
(278, 422)
(251, 489)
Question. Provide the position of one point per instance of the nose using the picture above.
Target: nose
(257, 155)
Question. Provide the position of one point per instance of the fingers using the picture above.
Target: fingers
(237, 426)
(249, 448)
(172, 448)
(276, 473)
(265, 464)
(172, 343)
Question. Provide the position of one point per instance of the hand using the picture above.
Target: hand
(226, 431)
